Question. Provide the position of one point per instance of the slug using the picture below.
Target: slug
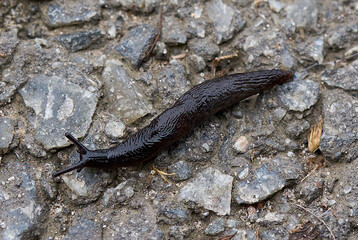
(189, 111)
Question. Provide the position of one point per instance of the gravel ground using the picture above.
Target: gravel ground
(83, 67)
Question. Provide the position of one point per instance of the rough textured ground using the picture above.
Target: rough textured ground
(82, 67)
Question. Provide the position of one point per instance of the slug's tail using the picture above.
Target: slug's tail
(83, 160)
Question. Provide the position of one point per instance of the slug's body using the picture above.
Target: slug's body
(190, 110)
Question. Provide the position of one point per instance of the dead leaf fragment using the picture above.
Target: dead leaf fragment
(314, 138)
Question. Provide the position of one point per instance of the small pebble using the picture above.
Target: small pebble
(241, 145)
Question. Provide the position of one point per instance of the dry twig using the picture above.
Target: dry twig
(159, 32)
(162, 175)
(180, 56)
(319, 219)
(257, 232)
(309, 174)
(216, 61)
(228, 237)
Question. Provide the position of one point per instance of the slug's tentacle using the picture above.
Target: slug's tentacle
(82, 150)
(77, 166)
(80, 147)
(88, 158)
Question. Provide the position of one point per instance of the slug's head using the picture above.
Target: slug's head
(86, 157)
(283, 76)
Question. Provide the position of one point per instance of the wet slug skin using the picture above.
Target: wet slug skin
(189, 111)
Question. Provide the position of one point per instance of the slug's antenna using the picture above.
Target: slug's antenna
(78, 166)
(83, 160)
(80, 148)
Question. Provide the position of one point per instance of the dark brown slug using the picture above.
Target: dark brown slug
(174, 123)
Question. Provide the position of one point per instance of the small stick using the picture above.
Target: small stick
(228, 237)
(218, 59)
(257, 233)
(159, 32)
(319, 219)
(180, 56)
(162, 174)
(309, 174)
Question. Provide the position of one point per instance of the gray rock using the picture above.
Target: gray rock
(337, 39)
(204, 48)
(310, 189)
(315, 50)
(226, 19)
(133, 224)
(59, 106)
(161, 51)
(296, 128)
(173, 214)
(241, 145)
(172, 83)
(20, 212)
(346, 197)
(126, 99)
(20, 223)
(210, 189)
(272, 218)
(173, 32)
(114, 196)
(6, 5)
(289, 168)
(6, 134)
(340, 36)
(215, 227)
(276, 6)
(287, 27)
(115, 129)
(32, 146)
(9, 83)
(298, 95)
(180, 232)
(199, 145)
(145, 78)
(303, 13)
(275, 234)
(144, 6)
(197, 62)
(261, 186)
(182, 170)
(279, 114)
(79, 40)
(340, 128)
(267, 180)
(345, 78)
(196, 27)
(245, 234)
(8, 44)
(49, 188)
(134, 48)
(84, 228)
(339, 225)
(52, 110)
(265, 48)
(59, 13)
